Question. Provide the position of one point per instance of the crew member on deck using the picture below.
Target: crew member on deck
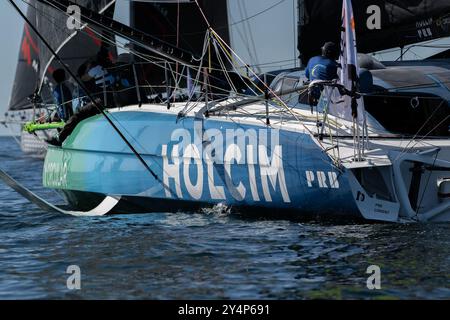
(323, 67)
(62, 95)
(79, 94)
(98, 70)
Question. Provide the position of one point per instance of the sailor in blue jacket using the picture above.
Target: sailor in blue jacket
(323, 67)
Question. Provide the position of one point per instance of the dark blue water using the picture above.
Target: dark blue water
(207, 255)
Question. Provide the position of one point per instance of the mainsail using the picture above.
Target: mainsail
(380, 24)
(73, 47)
(36, 61)
(180, 23)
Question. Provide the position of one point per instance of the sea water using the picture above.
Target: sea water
(210, 254)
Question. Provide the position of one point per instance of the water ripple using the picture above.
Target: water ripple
(212, 254)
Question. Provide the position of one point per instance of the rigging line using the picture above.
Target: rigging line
(379, 95)
(219, 57)
(127, 49)
(245, 42)
(270, 90)
(178, 40)
(234, 64)
(271, 125)
(203, 14)
(107, 40)
(183, 39)
(124, 45)
(425, 44)
(161, 48)
(272, 63)
(434, 128)
(406, 148)
(111, 115)
(155, 63)
(227, 76)
(206, 41)
(255, 15)
(426, 185)
(95, 103)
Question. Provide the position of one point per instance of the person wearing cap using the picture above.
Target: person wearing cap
(323, 67)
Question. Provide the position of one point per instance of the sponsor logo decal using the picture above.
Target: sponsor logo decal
(250, 160)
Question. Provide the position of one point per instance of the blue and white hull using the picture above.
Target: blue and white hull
(236, 160)
(208, 161)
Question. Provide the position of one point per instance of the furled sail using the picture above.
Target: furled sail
(36, 62)
(380, 24)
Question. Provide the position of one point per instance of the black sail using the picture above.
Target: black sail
(180, 23)
(27, 71)
(403, 22)
(52, 24)
(73, 48)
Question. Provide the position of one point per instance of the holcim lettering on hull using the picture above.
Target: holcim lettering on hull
(198, 161)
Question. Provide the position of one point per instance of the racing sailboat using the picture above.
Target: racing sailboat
(31, 97)
(230, 143)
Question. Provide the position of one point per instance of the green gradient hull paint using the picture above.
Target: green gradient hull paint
(94, 159)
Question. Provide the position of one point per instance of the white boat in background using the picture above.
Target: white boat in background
(35, 145)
